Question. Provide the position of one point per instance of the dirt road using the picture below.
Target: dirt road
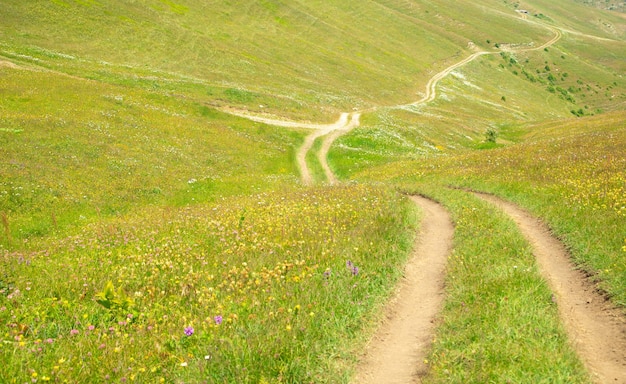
(397, 351)
(596, 329)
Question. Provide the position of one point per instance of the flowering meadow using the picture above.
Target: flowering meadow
(270, 288)
(571, 174)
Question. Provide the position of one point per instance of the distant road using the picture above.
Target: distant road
(350, 120)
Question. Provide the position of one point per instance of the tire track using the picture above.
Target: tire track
(596, 329)
(322, 155)
(397, 351)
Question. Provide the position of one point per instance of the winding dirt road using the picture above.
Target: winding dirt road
(344, 124)
(396, 352)
(596, 329)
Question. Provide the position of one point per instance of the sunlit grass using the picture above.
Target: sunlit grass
(147, 236)
(570, 174)
(77, 149)
(267, 286)
(499, 323)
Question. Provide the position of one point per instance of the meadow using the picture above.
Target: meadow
(267, 287)
(149, 236)
(499, 318)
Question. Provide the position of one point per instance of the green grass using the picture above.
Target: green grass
(313, 163)
(262, 280)
(82, 148)
(499, 323)
(325, 56)
(121, 167)
(571, 174)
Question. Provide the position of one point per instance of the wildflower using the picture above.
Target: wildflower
(91, 327)
(218, 319)
(353, 268)
(188, 331)
(183, 364)
(74, 332)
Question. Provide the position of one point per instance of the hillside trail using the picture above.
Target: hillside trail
(348, 121)
(345, 123)
(596, 329)
(396, 352)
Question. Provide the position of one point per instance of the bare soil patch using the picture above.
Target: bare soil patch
(595, 327)
(8, 64)
(396, 353)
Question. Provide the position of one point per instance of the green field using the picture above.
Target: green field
(148, 235)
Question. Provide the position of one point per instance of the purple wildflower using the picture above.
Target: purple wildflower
(74, 332)
(353, 268)
(188, 331)
(218, 319)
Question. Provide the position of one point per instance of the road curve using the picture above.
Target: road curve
(344, 124)
(596, 328)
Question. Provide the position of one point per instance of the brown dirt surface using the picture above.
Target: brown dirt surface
(8, 64)
(397, 351)
(595, 327)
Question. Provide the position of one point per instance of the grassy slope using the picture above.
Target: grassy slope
(580, 74)
(578, 161)
(77, 147)
(569, 172)
(324, 55)
(143, 126)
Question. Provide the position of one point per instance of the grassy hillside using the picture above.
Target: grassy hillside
(324, 56)
(77, 148)
(148, 235)
(571, 174)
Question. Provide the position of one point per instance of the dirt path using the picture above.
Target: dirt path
(343, 126)
(594, 326)
(345, 123)
(8, 64)
(397, 351)
(322, 155)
